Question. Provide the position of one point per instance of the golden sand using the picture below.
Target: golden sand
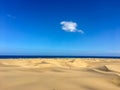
(60, 74)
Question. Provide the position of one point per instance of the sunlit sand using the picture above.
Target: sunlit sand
(60, 74)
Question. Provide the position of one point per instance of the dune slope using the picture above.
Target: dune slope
(60, 74)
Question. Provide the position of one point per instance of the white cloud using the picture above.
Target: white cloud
(70, 26)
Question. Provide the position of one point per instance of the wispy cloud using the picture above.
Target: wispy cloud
(11, 16)
(70, 26)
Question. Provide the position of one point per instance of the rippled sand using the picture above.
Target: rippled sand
(60, 74)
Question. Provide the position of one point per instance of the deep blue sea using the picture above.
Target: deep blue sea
(31, 56)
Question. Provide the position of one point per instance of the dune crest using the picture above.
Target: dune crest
(44, 63)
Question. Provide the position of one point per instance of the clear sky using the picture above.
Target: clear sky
(60, 27)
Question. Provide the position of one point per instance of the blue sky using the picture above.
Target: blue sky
(60, 27)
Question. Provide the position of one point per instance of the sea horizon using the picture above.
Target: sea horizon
(53, 56)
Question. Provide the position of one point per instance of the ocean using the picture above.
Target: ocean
(31, 56)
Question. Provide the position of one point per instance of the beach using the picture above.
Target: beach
(60, 74)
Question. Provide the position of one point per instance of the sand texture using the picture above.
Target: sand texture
(60, 74)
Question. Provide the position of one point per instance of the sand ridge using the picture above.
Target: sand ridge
(60, 74)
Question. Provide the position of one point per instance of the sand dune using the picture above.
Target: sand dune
(60, 74)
